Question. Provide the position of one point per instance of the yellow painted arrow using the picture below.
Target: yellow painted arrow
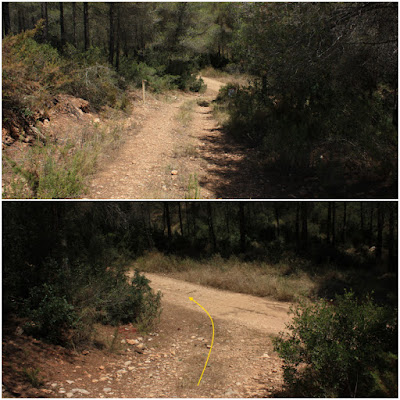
(212, 340)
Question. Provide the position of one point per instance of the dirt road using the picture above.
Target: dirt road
(166, 156)
(157, 142)
(252, 312)
(169, 361)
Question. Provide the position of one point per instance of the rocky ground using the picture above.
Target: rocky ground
(165, 363)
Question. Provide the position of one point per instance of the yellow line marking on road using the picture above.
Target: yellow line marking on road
(212, 340)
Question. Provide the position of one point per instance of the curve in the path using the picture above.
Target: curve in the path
(254, 312)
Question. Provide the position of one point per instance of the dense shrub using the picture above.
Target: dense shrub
(347, 348)
(50, 314)
(134, 302)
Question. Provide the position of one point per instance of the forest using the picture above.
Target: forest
(320, 102)
(65, 265)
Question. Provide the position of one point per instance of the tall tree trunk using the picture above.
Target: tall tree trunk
(62, 27)
(344, 228)
(304, 224)
(45, 17)
(333, 223)
(242, 228)
(6, 18)
(180, 217)
(227, 224)
(118, 36)
(188, 230)
(371, 216)
(297, 223)
(276, 212)
(168, 220)
(86, 26)
(379, 236)
(391, 239)
(74, 24)
(328, 223)
(111, 36)
(362, 217)
(211, 227)
(21, 19)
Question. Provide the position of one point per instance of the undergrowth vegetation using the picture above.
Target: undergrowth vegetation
(60, 169)
(284, 280)
(347, 348)
(59, 292)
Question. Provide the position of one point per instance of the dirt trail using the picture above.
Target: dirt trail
(262, 314)
(206, 162)
(156, 144)
(169, 361)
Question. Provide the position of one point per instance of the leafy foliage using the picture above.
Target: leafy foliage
(344, 349)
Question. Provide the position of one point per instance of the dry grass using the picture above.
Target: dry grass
(255, 278)
(224, 77)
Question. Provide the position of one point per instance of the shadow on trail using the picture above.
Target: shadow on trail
(237, 171)
(233, 170)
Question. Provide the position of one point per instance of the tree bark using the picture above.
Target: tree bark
(45, 16)
(74, 24)
(62, 27)
(379, 235)
(328, 223)
(6, 18)
(86, 26)
(391, 239)
(118, 37)
(111, 36)
(242, 228)
(333, 223)
(211, 227)
(344, 228)
(276, 211)
(304, 224)
(297, 223)
(168, 220)
(180, 217)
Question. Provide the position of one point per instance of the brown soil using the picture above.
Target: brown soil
(242, 361)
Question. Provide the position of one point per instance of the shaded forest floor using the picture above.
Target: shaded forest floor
(164, 363)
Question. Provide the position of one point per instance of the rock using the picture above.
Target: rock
(70, 394)
(231, 393)
(101, 367)
(132, 341)
(141, 346)
(126, 363)
(82, 391)
(107, 390)
(265, 355)
(85, 352)
(122, 371)
(70, 382)
(123, 341)
(174, 172)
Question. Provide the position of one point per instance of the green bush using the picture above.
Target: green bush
(135, 302)
(50, 314)
(343, 349)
